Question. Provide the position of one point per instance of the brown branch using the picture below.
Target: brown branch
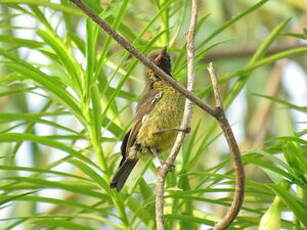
(186, 120)
(217, 113)
(245, 52)
(131, 49)
(234, 149)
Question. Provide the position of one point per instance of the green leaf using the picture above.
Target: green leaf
(59, 7)
(63, 224)
(289, 138)
(5, 199)
(46, 171)
(232, 21)
(262, 49)
(76, 188)
(91, 173)
(284, 102)
(13, 137)
(71, 66)
(20, 41)
(191, 219)
(265, 61)
(267, 165)
(49, 200)
(291, 201)
(9, 117)
(41, 78)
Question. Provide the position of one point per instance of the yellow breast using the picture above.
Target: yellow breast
(166, 114)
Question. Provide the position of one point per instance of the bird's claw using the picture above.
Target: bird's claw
(171, 168)
(187, 130)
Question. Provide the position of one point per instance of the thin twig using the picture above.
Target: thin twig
(131, 49)
(186, 120)
(234, 149)
(217, 94)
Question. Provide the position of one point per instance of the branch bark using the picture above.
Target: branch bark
(186, 120)
(217, 113)
(234, 209)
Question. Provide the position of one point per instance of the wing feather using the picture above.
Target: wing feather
(145, 106)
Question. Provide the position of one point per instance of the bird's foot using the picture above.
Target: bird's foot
(171, 168)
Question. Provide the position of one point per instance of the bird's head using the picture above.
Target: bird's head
(161, 59)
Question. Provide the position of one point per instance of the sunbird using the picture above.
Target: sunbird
(157, 121)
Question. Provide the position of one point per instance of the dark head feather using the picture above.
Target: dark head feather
(161, 59)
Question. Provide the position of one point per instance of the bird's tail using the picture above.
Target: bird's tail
(122, 174)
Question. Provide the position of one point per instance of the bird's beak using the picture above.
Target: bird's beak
(164, 51)
(162, 54)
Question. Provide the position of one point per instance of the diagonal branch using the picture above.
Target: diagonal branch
(186, 120)
(131, 49)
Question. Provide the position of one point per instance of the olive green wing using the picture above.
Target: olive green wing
(126, 165)
(145, 106)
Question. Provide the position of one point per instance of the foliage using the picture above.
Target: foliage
(67, 90)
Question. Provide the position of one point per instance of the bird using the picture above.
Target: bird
(157, 121)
